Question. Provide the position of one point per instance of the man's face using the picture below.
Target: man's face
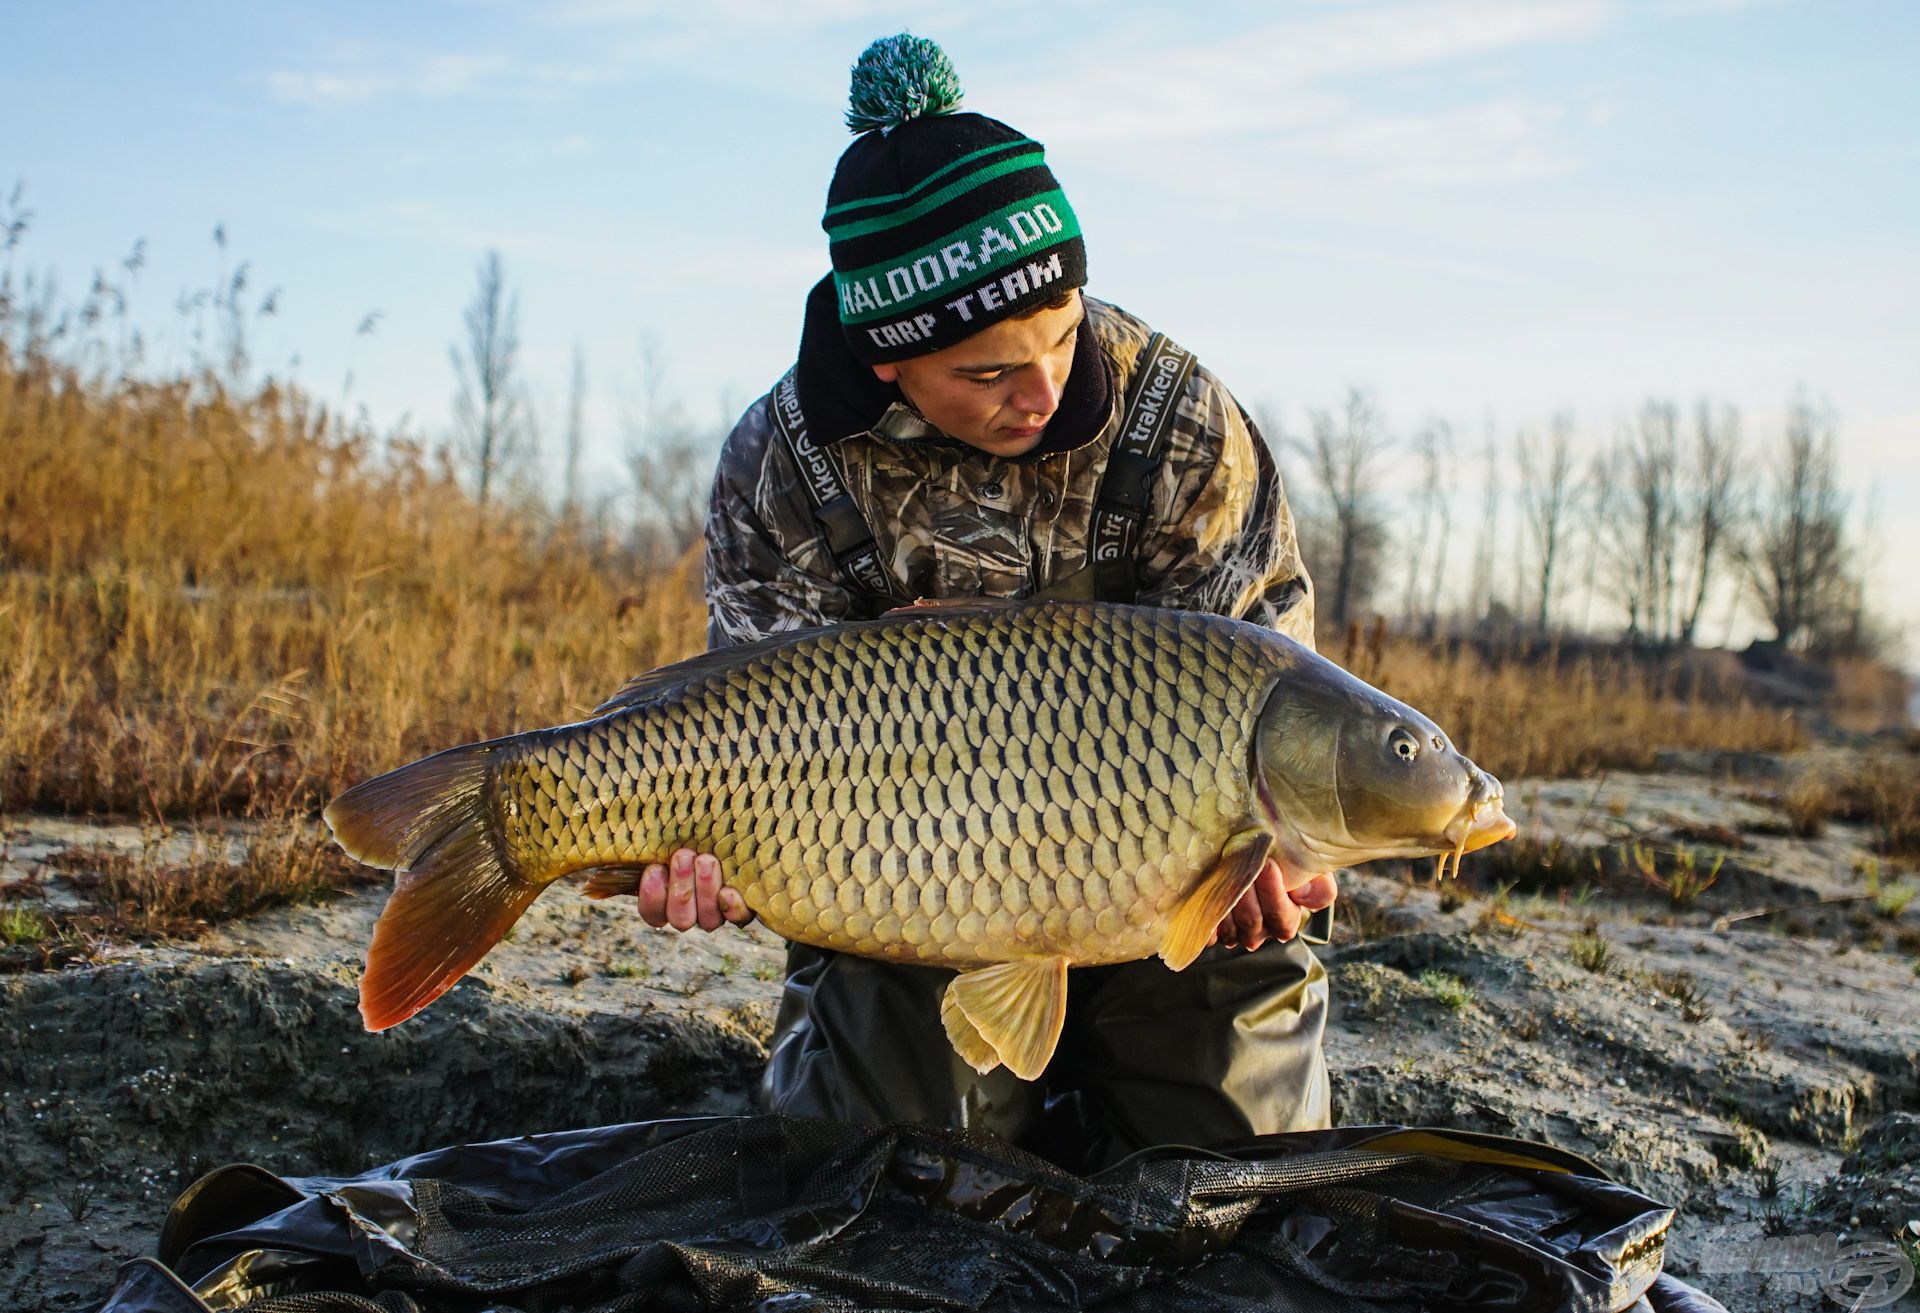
(997, 389)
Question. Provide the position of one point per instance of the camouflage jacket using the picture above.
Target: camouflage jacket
(953, 521)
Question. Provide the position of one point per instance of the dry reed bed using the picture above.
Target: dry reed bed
(215, 606)
(211, 606)
(1543, 720)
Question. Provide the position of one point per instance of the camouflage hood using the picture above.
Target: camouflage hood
(953, 521)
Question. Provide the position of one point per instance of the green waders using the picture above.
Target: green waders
(1228, 1048)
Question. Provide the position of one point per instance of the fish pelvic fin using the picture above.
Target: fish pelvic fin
(1194, 921)
(1009, 1013)
(458, 892)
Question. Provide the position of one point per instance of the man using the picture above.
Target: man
(962, 421)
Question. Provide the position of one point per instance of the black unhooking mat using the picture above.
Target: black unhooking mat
(786, 1215)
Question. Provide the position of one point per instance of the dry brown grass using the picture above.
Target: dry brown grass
(174, 884)
(1808, 803)
(214, 605)
(1554, 720)
(1882, 792)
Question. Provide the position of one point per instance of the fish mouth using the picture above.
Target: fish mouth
(1480, 825)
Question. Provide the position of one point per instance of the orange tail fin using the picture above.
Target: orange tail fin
(457, 893)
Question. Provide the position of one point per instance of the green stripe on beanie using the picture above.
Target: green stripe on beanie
(925, 182)
(963, 259)
(980, 177)
(939, 224)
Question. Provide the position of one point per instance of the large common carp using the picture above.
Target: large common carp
(1005, 790)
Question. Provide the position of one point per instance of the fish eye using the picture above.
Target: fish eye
(1403, 745)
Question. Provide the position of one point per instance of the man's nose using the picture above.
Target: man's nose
(1038, 393)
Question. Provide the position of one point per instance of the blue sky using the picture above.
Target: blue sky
(1483, 210)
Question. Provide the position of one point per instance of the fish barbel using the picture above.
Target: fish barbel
(1004, 790)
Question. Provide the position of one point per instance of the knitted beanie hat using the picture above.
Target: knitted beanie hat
(939, 224)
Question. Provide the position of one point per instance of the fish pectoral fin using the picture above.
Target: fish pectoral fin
(966, 1038)
(1195, 920)
(1008, 1013)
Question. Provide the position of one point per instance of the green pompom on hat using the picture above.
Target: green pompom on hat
(899, 78)
(939, 223)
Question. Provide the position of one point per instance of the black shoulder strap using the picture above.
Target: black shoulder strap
(1126, 489)
(849, 540)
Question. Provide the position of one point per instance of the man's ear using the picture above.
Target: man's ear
(887, 373)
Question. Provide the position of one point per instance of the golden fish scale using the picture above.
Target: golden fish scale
(955, 790)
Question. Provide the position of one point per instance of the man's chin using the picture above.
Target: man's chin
(1003, 442)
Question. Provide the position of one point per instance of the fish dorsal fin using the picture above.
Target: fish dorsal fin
(653, 683)
(1195, 920)
(1010, 1012)
(954, 606)
(656, 683)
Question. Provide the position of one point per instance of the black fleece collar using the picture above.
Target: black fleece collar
(840, 396)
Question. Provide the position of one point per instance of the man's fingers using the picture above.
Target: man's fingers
(1317, 893)
(1277, 910)
(733, 906)
(653, 896)
(1246, 921)
(681, 913)
(706, 886)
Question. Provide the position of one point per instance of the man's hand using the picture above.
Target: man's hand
(688, 891)
(1269, 910)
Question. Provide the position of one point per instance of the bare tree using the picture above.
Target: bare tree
(1547, 496)
(1433, 523)
(1644, 526)
(1601, 507)
(1486, 548)
(1438, 471)
(1794, 560)
(1341, 458)
(671, 463)
(489, 411)
(576, 431)
(1717, 495)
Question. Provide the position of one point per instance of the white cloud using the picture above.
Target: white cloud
(1286, 100)
(1490, 142)
(722, 13)
(1278, 76)
(435, 76)
(1395, 259)
(737, 266)
(1714, 6)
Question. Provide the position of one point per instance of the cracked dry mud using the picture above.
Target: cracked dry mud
(1759, 1072)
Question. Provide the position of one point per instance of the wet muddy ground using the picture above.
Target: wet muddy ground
(1749, 1052)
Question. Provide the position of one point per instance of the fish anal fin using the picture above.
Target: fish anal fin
(612, 881)
(1009, 1013)
(1191, 928)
